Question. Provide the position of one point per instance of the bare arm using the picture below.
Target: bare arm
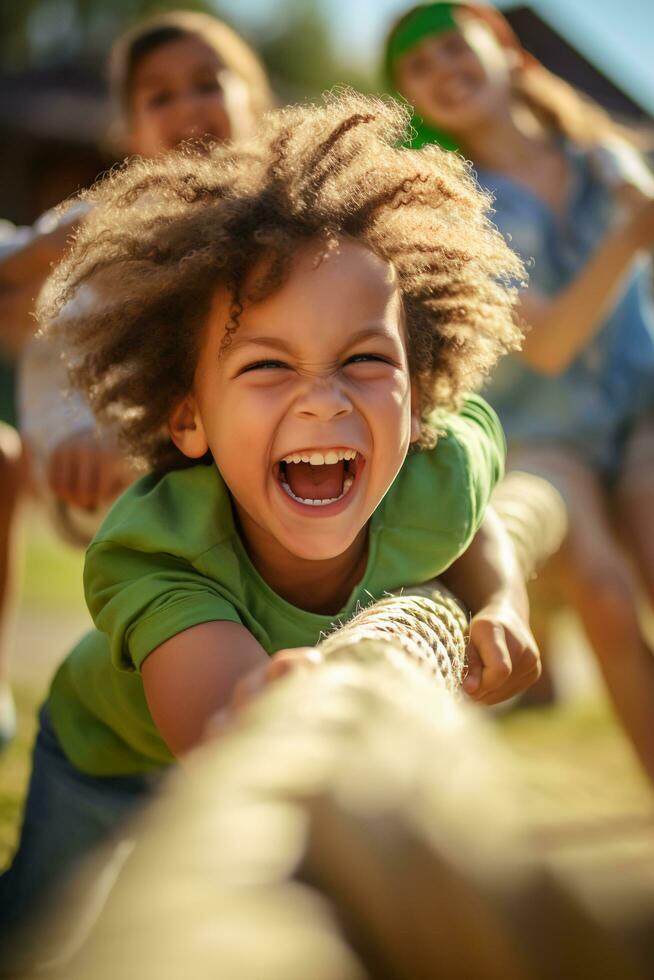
(31, 263)
(502, 655)
(488, 570)
(560, 327)
(16, 321)
(192, 676)
(211, 669)
(22, 274)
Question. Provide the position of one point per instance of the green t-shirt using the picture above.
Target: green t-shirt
(169, 557)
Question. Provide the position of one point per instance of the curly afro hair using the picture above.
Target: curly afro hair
(162, 235)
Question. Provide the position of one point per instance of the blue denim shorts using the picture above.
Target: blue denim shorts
(67, 814)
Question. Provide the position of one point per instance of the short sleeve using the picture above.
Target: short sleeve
(140, 599)
(476, 435)
(438, 501)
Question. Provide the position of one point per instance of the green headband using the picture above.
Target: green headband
(435, 18)
(432, 19)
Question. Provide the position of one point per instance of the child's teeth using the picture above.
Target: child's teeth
(347, 483)
(320, 459)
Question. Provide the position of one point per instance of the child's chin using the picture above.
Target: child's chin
(316, 550)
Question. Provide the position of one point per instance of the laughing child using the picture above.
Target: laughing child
(287, 333)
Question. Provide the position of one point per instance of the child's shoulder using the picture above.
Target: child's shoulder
(475, 420)
(473, 432)
(452, 481)
(183, 513)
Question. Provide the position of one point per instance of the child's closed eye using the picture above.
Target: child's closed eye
(159, 99)
(267, 365)
(208, 84)
(366, 358)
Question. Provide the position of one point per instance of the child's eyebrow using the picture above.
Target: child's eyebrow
(155, 79)
(152, 80)
(368, 333)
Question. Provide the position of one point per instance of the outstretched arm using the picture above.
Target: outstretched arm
(23, 271)
(205, 669)
(558, 328)
(503, 657)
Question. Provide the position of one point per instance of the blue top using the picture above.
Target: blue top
(591, 405)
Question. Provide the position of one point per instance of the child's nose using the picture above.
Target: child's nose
(323, 399)
(191, 106)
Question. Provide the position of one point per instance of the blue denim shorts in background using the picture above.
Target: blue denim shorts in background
(67, 814)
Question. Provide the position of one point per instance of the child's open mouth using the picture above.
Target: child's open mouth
(318, 478)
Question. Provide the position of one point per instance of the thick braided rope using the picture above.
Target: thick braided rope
(354, 825)
(425, 624)
(336, 833)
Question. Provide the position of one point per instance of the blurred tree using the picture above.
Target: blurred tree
(299, 52)
(37, 31)
(293, 37)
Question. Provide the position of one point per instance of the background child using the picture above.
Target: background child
(576, 403)
(276, 323)
(177, 77)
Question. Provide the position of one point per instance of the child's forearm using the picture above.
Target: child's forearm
(560, 327)
(193, 675)
(31, 263)
(210, 669)
(16, 323)
(488, 571)
(502, 655)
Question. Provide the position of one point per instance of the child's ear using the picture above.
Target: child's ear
(186, 428)
(416, 419)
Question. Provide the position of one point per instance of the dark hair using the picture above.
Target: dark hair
(143, 43)
(131, 48)
(162, 235)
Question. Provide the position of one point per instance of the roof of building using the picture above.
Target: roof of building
(615, 38)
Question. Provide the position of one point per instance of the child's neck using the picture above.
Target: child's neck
(321, 587)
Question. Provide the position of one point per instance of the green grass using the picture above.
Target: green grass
(575, 766)
(14, 768)
(50, 589)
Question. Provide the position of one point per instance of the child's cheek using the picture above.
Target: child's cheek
(391, 394)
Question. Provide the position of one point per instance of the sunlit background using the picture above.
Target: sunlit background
(54, 112)
(54, 117)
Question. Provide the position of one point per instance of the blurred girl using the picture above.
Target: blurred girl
(573, 198)
(174, 78)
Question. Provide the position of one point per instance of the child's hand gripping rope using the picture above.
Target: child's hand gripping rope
(280, 664)
(502, 655)
(255, 681)
(501, 659)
